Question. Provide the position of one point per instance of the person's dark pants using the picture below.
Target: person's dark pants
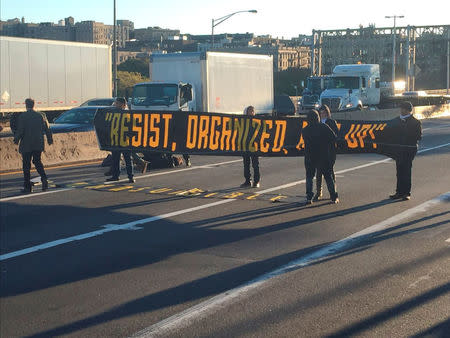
(116, 163)
(403, 164)
(26, 165)
(319, 175)
(327, 173)
(255, 164)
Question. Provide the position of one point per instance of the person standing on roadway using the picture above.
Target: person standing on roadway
(325, 117)
(120, 103)
(319, 143)
(250, 111)
(407, 131)
(31, 127)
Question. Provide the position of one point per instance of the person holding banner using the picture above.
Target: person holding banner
(319, 144)
(250, 111)
(325, 117)
(121, 104)
(407, 131)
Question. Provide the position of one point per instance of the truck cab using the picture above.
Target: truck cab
(352, 87)
(163, 96)
(315, 85)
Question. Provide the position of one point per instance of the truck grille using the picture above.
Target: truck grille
(332, 103)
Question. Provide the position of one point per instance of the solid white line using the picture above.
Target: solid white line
(108, 228)
(218, 302)
(34, 194)
(131, 225)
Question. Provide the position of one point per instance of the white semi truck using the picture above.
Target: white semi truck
(58, 75)
(352, 87)
(207, 82)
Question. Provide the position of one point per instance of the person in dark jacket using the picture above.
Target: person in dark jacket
(121, 104)
(250, 111)
(30, 129)
(325, 117)
(407, 131)
(319, 142)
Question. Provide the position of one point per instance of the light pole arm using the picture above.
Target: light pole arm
(215, 22)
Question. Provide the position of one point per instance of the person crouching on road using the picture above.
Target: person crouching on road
(325, 117)
(250, 111)
(408, 131)
(120, 103)
(31, 127)
(319, 140)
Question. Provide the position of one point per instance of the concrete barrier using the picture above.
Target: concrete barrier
(421, 112)
(66, 148)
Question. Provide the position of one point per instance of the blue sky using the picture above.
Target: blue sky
(278, 18)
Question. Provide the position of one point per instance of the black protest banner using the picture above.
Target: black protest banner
(224, 134)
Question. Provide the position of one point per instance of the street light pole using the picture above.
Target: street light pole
(215, 22)
(114, 53)
(393, 43)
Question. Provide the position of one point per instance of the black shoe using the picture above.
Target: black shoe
(309, 201)
(395, 196)
(44, 185)
(246, 184)
(27, 190)
(317, 197)
(131, 180)
(112, 179)
(406, 197)
(335, 200)
(256, 185)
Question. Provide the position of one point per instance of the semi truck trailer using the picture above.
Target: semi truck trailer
(58, 75)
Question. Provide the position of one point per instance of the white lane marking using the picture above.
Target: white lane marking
(226, 298)
(34, 194)
(205, 166)
(108, 228)
(127, 226)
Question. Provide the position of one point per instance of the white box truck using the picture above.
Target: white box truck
(352, 87)
(207, 82)
(58, 75)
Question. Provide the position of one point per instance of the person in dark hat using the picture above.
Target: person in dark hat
(407, 132)
(319, 148)
(29, 134)
(325, 117)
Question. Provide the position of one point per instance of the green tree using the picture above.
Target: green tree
(126, 82)
(138, 65)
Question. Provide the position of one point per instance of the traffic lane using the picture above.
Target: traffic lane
(394, 284)
(263, 246)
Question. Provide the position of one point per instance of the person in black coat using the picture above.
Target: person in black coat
(406, 131)
(325, 117)
(320, 142)
(250, 111)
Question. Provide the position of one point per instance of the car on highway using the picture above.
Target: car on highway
(76, 119)
(107, 101)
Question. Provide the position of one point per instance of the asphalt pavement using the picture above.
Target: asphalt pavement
(186, 252)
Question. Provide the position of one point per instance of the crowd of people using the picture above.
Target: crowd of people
(320, 137)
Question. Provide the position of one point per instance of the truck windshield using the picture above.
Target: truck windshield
(155, 94)
(344, 82)
(314, 85)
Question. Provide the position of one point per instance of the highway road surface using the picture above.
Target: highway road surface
(185, 252)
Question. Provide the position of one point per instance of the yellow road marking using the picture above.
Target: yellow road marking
(211, 194)
(158, 191)
(253, 196)
(122, 188)
(138, 189)
(234, 194)
(97, 186)
(273, 199)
